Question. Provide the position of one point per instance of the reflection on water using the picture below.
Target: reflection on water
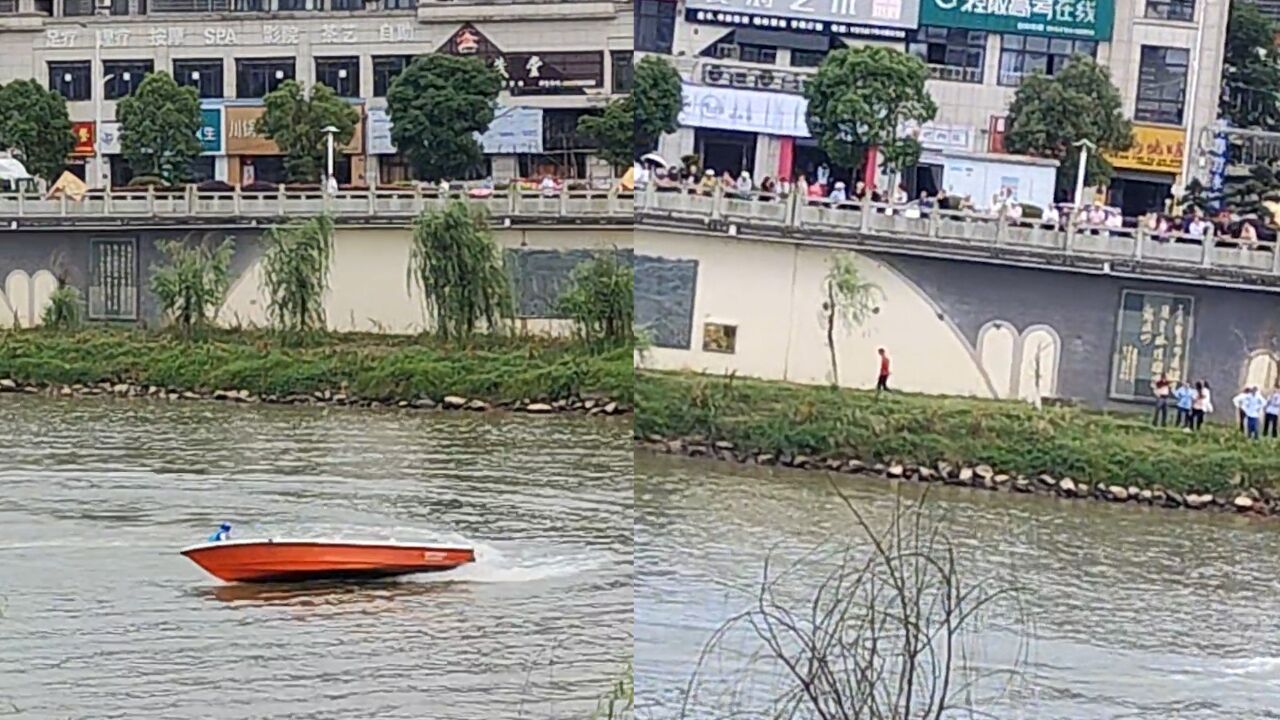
(105, 619)
(1134, 613)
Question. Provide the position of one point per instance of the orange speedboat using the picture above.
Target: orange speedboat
(292, 560)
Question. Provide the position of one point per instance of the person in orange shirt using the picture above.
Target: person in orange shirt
(882, 383)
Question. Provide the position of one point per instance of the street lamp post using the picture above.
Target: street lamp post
(1085, 146)
(329, 132)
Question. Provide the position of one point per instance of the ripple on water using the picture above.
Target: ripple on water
(1135, 614)
(105, 620)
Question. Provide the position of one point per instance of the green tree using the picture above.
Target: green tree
(437, 106)
(1049, 114)
(862, 98)
(35, 127)
(295, 119)
(65, 310)
(192, 283)
(600, 300)
(613, 131)
(658, 96)
(1251, 70)
(296, 275)
(849, 300)
(458, 268)
(159, 125)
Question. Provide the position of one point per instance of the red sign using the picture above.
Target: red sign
(84, 139)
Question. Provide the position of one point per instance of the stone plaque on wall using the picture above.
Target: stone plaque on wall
(1153, 336)
(540, 277)
(665, 290)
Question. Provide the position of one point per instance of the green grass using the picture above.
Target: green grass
(367, 366)
(1010, 436)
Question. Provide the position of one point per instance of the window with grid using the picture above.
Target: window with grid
(385, 70)
(71, 80)
(121, 77)
(256, 78)
(1022, 55)
(622, 72)
(399, 4)
(1184, 10)
(1162, 85)
(340, 74)
(807, 58)
(655, 25)
(113, 294)
(951, 53)
(203, 75)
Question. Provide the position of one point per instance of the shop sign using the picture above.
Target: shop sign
(514, 131)
(1082, 19)
(873, 18)
(270, 34)
(723, 108)
(1155, 149)
(242, 136)
(545, 73)
(84, 134)
(210, 133)
(936, 136)
(109, 138)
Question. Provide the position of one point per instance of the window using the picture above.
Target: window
(719, 338)
(300, 5)
(951, 53)
(71, 79)
(78, 8)
(346, 4)
(340, 74)
(122, 77)
(256, 78)
(201, 169)
(1022, 55)
(1162, 85)
(385, 70)
(730, 49)
(807, 58)
(655, 25)
(203, 75)
(622, 72)
(399, 4)
(1172, 9)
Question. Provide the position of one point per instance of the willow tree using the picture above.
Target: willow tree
(296, 274)
(457, 267)
(600, 301)
(848, 300)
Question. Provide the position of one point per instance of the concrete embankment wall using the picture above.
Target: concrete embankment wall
(951, 327)
(370, 289)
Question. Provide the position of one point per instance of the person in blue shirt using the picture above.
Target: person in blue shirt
(224, 533)
(1184, 396)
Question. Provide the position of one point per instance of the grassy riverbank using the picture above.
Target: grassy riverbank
(375, 367)
(1099, 448)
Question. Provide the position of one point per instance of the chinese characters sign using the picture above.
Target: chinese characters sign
(886, 18)
(210, 133)
(1153, 337)
(242, 137)
(549, 73)
(84, 134)
(271, 34)
(1154, 148)
(1083, 19)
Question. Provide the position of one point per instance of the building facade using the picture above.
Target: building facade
(560, 61)
(745, 63)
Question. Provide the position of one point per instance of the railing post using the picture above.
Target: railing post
(191, 199)
(62, 204)
(372, 194)
(615, 201)
(650, 194)
(417, 199)
(107, 205)
(864, 221)
(513, 197)
(1069, 236)
(793, 217)
(237, 201)
(151, 201)
(1002, 225)
(717, 202)
(1207, 244)
(22, 203)
(564, 200)
(934, 220)
(1140, 239)
(280, 200)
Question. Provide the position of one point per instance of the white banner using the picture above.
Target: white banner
(109, 138)
(514, 131)
(722, 108)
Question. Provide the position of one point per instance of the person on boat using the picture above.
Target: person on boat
(224, 533)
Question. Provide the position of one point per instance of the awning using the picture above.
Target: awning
(782, 38)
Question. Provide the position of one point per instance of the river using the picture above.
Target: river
(1131, 613)
(103, 619)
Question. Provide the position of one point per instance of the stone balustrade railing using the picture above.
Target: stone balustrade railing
(965, 234)
(382, 206)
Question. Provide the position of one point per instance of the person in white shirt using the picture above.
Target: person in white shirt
(548, 185)
(1272, 419)
(838, 194)
(1238, 402)
(1252, 405)
(744, 185)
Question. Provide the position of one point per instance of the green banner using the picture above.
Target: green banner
(1077, 19)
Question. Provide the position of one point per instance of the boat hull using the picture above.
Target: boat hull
(296, 560)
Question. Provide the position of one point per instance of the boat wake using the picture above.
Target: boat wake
(493, 565)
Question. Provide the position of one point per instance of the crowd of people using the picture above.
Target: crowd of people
(1258, 414)
(1190, 225)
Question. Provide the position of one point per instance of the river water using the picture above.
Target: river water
(1129, 613)
(103, 619)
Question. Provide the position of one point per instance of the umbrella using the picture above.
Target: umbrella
(654, 158)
